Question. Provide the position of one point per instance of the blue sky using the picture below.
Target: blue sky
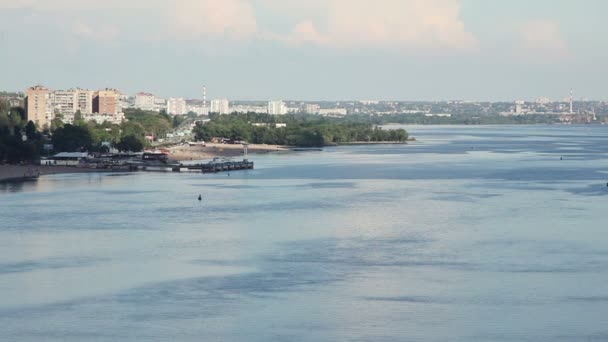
(310, 49)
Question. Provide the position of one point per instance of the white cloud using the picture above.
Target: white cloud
(213, 18)
(402, 24)
(541, 39)
(107, 32)
(416, 24)
(72, 5)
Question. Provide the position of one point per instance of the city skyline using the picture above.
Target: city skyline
(310, 50)
(570, 96)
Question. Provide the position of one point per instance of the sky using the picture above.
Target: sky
(487, 50)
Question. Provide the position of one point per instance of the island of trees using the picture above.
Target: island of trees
(299, 130)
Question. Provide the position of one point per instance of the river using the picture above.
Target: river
(470, 234)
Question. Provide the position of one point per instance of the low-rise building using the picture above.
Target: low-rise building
(333, 112)
(312, 108)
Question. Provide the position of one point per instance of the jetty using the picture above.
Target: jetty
(214, 166)
(217, 166)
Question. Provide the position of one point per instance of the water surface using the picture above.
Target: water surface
(471, 234)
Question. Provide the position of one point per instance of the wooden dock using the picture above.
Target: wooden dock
(217, 166)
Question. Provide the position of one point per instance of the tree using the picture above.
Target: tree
(31, 132)
(71, 138)
(130, 143)
(56, 123)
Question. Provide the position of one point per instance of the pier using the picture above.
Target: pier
(213, 166)
(217, 166)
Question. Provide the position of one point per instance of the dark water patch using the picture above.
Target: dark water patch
(120, 174)
(126, 192)
(599, 189)
(591, 337)
(227, 186)
(359, 253)
(408, 299)
(47, 264)
(239, 207)
(589, 299)
(17, 185)
(329, 185)
(461, 197)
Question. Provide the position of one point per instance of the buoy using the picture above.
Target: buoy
(200, 198)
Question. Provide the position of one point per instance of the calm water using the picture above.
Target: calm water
(473, 234)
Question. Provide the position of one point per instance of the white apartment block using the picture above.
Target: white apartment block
(115, 119)
(145, 101)
(312, 108)
(68, 102)
(277, 108)
(333, 112)
(248, 109)
(221, 106)
(160, 104)
(176, 106)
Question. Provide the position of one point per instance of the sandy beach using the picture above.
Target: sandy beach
(210, 151)
(8, 172)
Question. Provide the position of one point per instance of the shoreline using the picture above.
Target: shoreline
(211, 150)
(9, 173)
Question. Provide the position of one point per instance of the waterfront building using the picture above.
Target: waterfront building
(277, 108)
(145, 101)
(37, 106)
(176, 106)
(221, 106)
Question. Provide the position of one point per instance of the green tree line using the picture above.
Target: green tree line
(301, 130)
(22, 141)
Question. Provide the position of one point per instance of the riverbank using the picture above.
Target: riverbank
(210, 151)
(18, 172)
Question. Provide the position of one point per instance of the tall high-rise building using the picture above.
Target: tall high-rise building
(106, 102)
(176, 106)
(221, 106)
(63, 102)
(84, 99)
(145, 101)
(277, 108)
(68, 102)
(37, 106)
